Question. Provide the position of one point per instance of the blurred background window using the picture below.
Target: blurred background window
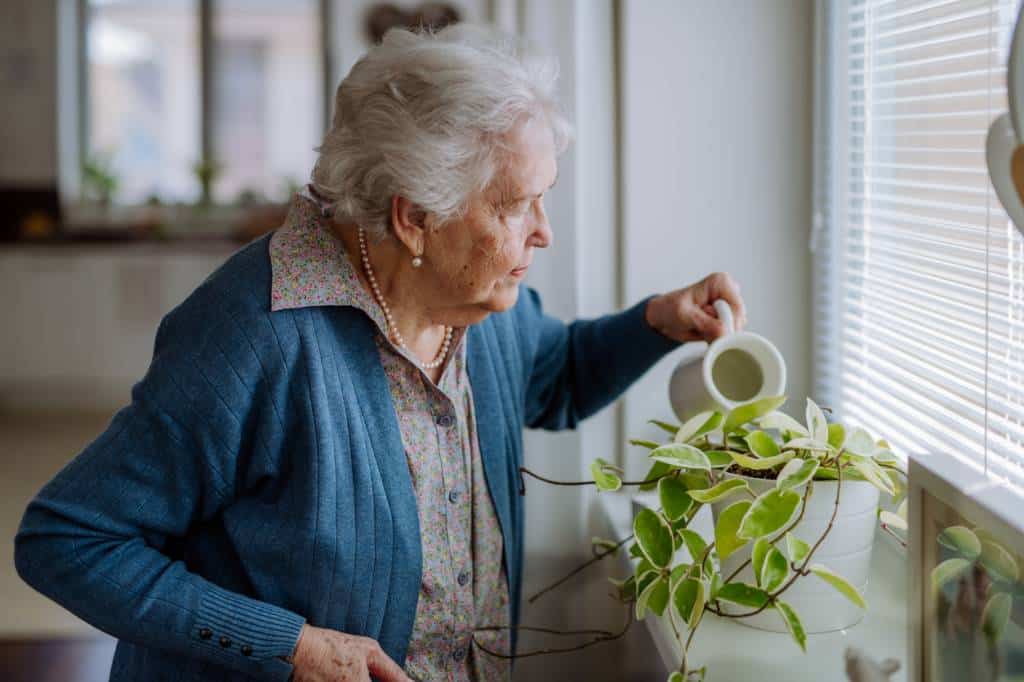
(150, 63)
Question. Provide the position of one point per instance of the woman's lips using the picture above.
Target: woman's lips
(519, 272)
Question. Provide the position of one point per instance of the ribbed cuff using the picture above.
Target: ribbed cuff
(649, 343)
(247, 634)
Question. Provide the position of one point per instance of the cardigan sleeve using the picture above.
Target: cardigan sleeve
(92, 538)
(576, 369)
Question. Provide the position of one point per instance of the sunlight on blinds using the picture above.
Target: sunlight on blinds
(920, 297)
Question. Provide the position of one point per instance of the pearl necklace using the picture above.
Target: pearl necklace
(392, 329)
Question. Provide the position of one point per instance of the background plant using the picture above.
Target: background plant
(699, 465)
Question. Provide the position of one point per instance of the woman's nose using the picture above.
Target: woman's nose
(541, 237)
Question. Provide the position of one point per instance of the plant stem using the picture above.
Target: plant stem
(524, 470)
(581, 567)
(603, 637)
(893, 533)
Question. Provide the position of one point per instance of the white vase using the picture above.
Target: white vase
(846, 551)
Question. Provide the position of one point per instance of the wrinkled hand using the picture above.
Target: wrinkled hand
(689, 314)
(329, 656)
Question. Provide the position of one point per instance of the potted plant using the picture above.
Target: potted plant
(777, 489)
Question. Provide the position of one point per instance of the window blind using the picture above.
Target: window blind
(919, 297)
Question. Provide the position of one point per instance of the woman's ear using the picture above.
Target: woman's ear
(409, 224)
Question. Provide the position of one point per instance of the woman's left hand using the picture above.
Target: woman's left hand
(689, 315)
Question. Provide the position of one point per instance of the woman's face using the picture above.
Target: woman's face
(481, 259)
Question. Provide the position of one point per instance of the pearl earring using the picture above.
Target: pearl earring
(417, 261)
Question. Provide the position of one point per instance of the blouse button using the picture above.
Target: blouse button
(445, 420)
(206, 633)
(246, 650)
(225, 642)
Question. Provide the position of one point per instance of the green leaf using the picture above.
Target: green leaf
(665, 426)
(762, 445)
(602, 544)
(996, 615)
(719, 459)
(685, 595)
(743, 594)
(654, 536)
(796, 548)
(653, 598)
(796, 473)
(948, 570)
(859, 442)
(604, 475)
(649, 444)
(758, 556)
(999, 563)
(840, 583)
(793, 624)
(681, 455)
(697, 426)
(872, 473)
(694, 544)
(836, 435)
(748, 412)
(678, 573)
(758, 464)
(635, 551)
(688, 599)
(726, 488)
(774, 571)
(961, 540)
(726, 539)
(675, 500)
(714, 587)
(817, 425)
(896, 522)
(770, 512)
(676, 676)
(627, 588)
(658, 469)
(780, 421)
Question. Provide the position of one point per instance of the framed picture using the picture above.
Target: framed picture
(966, 604)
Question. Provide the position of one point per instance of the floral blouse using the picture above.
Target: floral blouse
(464, 585)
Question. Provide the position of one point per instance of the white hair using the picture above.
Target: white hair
(427, 116)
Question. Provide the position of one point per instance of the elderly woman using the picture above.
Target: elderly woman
(317, 477)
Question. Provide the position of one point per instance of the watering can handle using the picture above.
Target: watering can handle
(725, 315)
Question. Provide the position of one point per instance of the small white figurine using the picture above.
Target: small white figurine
(862, 668)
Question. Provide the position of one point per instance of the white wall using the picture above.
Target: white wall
(716, 145)
(28, 75)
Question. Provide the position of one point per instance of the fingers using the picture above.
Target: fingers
(383, 668)
(722, 285)
(707, 325)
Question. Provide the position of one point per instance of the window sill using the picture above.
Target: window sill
(736, 652)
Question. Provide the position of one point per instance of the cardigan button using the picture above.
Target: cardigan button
(463, 578)
(205, 633)
(453, 496)
(246, 650)
(445, 420)
(225, 642)
(459, 654)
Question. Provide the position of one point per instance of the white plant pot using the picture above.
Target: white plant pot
(846, 551)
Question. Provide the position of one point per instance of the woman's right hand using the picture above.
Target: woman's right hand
(324, 655)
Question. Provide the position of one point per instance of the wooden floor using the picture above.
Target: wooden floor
(56, 660)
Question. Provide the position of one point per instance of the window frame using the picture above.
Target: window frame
(78, 14)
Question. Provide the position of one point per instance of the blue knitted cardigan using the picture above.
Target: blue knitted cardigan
(257, 481)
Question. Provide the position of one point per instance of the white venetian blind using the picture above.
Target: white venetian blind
(919, 304)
